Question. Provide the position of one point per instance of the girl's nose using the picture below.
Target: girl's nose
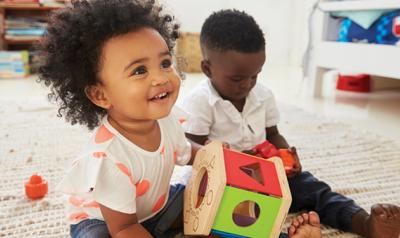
(159, 81)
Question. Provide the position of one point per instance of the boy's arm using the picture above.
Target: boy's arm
(196, 142)
(123, 225)
(199, 140)
(275, 138)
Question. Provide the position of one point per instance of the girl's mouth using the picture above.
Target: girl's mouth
(160, 96)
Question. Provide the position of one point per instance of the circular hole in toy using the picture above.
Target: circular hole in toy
(246, 213)
(201, 184)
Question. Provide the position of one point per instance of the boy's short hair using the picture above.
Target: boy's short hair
(73, 43)
(232, 30)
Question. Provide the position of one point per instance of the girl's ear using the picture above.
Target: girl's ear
(98, 96)
(205, 67)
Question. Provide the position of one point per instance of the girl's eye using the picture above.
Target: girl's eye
(166, 64)
(139, 70)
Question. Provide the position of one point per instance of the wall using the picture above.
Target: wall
(279, 19)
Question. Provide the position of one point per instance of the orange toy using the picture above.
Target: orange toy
(267, 150)
(287, 159)
(36, 187)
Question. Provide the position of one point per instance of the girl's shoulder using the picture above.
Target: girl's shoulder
(105, 154)
(175, 118)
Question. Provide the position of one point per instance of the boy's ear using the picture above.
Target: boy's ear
(98, 96)
(205, 67)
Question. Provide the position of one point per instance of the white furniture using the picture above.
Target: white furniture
(373, 59)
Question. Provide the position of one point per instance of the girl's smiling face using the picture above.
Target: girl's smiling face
(137, 77)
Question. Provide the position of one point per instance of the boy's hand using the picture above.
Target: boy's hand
(224, 144)
(297, 166)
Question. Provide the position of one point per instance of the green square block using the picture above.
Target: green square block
(269, 208)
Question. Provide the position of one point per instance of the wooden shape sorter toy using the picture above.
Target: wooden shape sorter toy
(232, 194)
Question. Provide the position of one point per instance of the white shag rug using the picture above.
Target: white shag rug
(358, 164)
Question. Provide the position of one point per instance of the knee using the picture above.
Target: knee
(90, 229)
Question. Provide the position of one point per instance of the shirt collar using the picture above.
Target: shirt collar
(213, 94)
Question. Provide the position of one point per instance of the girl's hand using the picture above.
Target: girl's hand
(297, 165)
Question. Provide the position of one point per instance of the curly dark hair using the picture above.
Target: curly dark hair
(232, 30)
(72, 48)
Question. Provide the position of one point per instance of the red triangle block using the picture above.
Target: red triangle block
(236, 177)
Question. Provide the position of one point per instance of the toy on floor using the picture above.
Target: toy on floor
(396, 26)
(267, 150)
(356, 83)
(36, 187)
(233, 194)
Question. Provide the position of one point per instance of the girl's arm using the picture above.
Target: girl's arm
(121, 225)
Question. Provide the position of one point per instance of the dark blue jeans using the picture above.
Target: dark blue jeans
(158, 226)
(334, 209)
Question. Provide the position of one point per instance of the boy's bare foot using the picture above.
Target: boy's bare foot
(307, 225)
(384, 221)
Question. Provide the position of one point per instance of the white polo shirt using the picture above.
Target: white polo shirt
(115, 172)
(212, 116)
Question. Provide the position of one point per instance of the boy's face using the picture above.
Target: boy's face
(233, 74)
(137, 77)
